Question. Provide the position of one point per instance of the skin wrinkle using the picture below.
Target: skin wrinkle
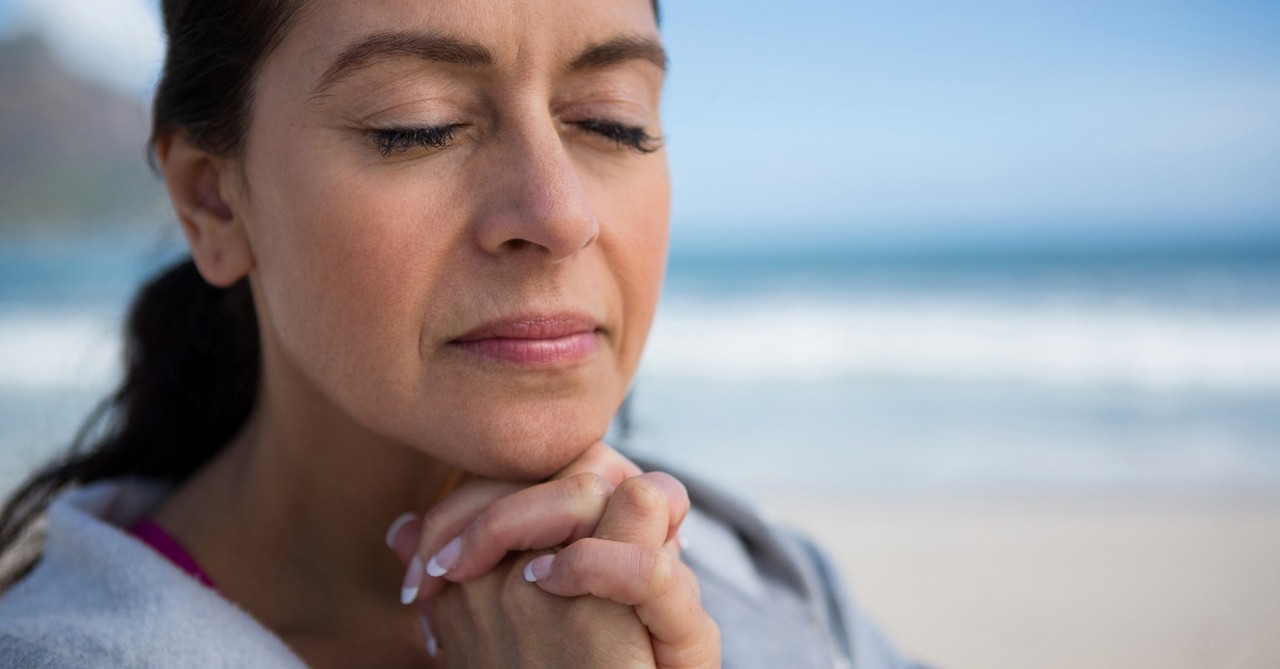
(444, 49)
(430, 47)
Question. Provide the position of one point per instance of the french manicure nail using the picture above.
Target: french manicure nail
(412, 580)
(446, 558)
(538, 568)
(395, 528)
(428, 637)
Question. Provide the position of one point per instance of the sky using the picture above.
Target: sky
(917, 117)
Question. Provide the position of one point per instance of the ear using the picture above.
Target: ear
(198, 184)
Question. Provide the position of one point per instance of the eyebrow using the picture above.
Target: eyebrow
(438, 48)
(378, 47)
(620, 50)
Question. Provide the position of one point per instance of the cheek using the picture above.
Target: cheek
(345, 274)
(636, 240)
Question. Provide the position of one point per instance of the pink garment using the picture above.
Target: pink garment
(163, 543)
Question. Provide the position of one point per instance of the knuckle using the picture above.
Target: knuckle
(574, 560)
(591, 487)
(661, 570)
(485, 529)
(643, 496)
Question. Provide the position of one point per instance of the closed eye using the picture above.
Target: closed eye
(625, 136)
(400, 140)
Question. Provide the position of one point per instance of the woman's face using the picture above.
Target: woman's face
(458, 215)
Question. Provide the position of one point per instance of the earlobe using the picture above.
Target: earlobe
(215, 232)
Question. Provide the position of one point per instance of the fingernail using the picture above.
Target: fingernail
(412, 580)
(446, 558)
(538, 568)
(428, 637)
(395, 528)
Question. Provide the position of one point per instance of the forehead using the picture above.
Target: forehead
(516, 33)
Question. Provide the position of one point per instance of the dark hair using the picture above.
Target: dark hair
(192, 350)
(214, 52)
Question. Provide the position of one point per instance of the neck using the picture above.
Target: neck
(289, 521)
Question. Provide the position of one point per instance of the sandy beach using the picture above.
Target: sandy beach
(1098, 583)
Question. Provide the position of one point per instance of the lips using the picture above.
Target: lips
(537, 341)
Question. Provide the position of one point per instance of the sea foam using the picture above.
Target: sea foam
(966, 339)
(50, 350)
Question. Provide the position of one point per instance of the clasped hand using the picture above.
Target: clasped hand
(582, 570)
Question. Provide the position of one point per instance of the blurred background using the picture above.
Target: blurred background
(985, 294)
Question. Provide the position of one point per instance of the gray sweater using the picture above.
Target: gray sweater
(100, 598)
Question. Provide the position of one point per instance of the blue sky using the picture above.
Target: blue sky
(922, 117)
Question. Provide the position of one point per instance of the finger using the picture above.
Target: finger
(452, 514)
(601, 459)
(543, 516)
(459, 509)
(646, 509)
(662, 589)
(411, 537)
(403, 535)
(431, 538)
(427, 627)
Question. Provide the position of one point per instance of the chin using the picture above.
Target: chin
(529, 444)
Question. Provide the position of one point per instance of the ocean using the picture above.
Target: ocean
(832, 369)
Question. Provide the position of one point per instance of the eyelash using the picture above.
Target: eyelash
(625, 136)
(401, 140)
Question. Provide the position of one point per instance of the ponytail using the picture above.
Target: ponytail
(191, 376)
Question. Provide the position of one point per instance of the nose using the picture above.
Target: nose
(536, 199)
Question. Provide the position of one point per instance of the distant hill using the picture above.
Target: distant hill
(72, 153)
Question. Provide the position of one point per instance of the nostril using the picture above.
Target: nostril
(516, 244)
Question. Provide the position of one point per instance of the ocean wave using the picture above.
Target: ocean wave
(968, 339)
(791, 338)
